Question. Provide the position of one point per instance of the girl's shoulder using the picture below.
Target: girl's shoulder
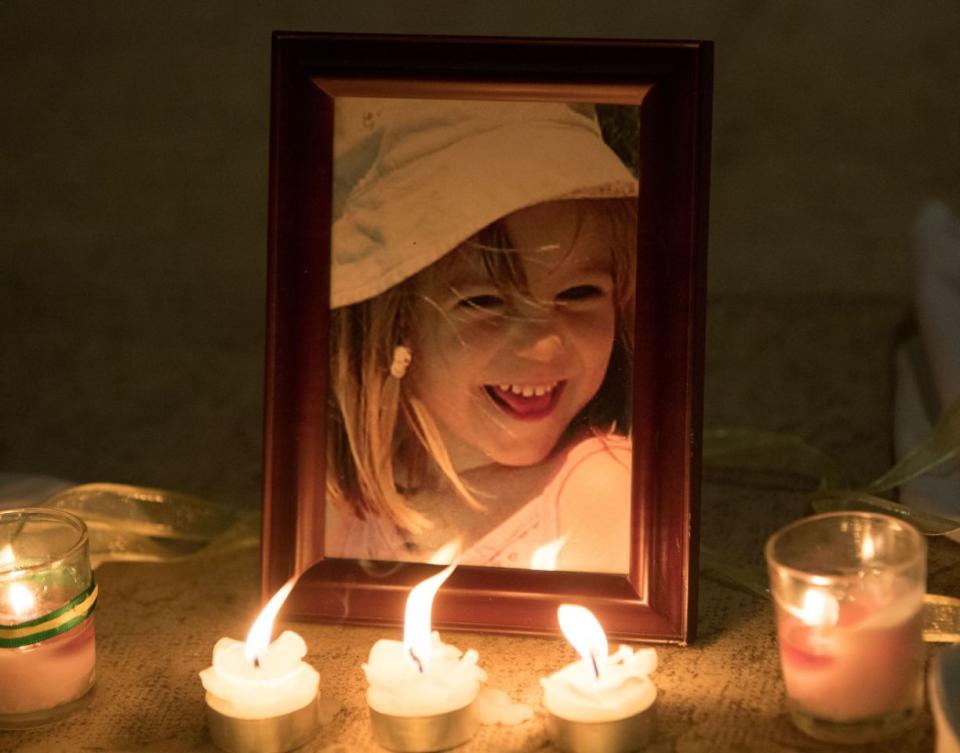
(593, 458)
(594, 443)
(593, 504)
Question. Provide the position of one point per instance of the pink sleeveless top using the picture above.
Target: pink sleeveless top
(513, 542)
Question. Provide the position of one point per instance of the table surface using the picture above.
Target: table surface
(821, 370)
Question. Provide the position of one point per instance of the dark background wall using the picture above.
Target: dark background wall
(133, 158)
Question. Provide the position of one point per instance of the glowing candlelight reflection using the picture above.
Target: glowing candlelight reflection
(545, 556)
(819, 608)
(21, 599)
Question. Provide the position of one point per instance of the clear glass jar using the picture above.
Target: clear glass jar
(848, 589)
(47, 597)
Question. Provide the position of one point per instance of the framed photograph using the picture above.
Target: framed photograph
(485, 328)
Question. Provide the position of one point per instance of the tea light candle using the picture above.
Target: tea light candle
(47, 597)
(602, 702)
(261, 696)
(422, 691)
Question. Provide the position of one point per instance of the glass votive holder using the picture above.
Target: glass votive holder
(47, 597)
(848, 590)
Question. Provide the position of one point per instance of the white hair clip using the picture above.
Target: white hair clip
(402, 356)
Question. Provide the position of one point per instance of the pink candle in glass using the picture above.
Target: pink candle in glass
(48, 674)
(849, 589)
(47, 598)
(860, 659)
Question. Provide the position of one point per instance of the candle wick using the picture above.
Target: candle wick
(256, 662)
(416, 660)
(596, 669)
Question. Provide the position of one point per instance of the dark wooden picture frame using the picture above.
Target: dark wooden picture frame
(671, 82)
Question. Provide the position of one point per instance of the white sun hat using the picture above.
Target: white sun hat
(414, 178)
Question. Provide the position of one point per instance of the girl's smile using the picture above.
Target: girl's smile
(528, 402)
(505, 370)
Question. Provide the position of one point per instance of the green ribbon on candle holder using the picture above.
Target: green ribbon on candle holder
(60, 620)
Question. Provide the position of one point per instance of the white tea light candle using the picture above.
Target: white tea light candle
(601, 702)
(261, 696)
(422, 691)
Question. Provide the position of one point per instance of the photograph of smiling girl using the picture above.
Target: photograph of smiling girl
(482, 286)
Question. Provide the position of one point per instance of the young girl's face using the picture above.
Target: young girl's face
(504, 372)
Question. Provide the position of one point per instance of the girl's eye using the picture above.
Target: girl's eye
(580, 293)
(480, 303)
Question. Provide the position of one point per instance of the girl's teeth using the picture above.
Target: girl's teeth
(528, 390)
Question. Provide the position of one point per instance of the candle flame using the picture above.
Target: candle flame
(868, 549)
(416, 614)
(446, 554)
(6, 555)
(820, 609)
(584, 632)
(545, 556)
(259, 636)
(21, 599)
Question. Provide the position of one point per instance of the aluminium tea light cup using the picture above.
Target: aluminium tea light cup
(272, 734)
(422, 734)
(602, 703)
(414, 710)
(261, 696)
(422, 692)
(625, 735)
(47, 598)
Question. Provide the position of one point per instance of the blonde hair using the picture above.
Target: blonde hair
(373, 418)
